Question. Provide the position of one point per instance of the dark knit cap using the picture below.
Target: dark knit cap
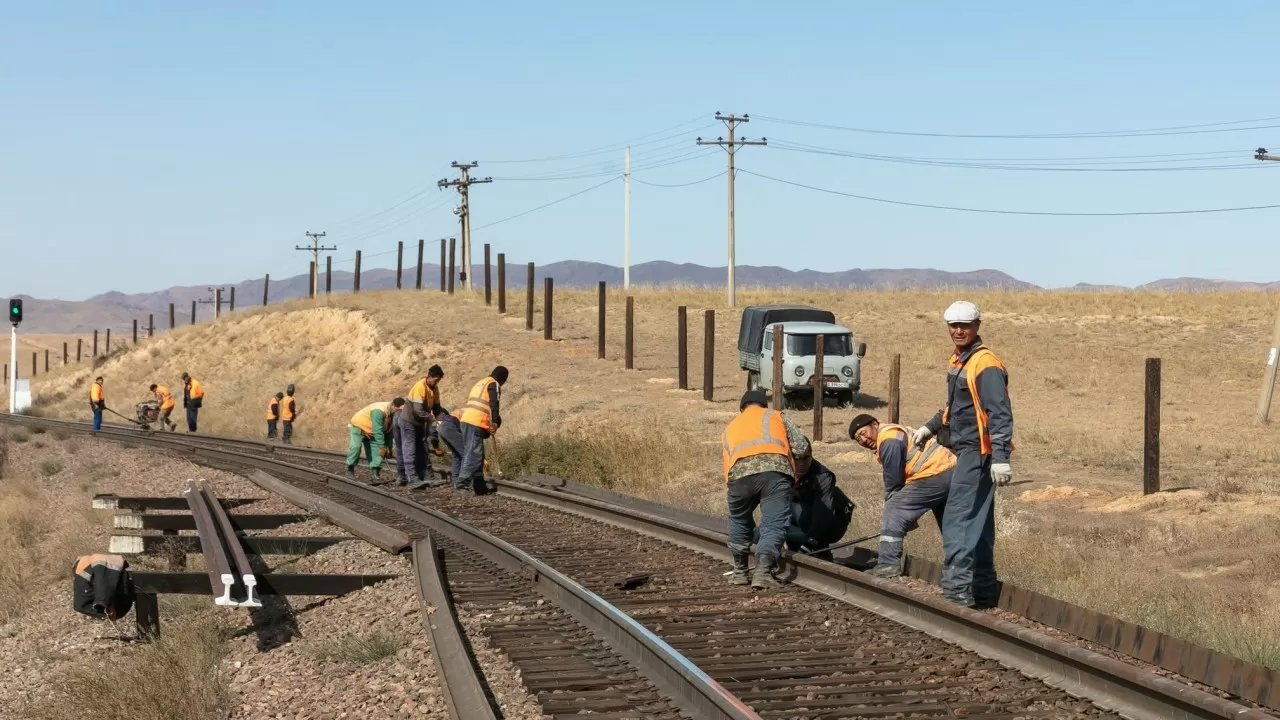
(500, 374)
(860, 422)
(753, 397)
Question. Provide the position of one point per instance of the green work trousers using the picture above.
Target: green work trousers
(360, 440)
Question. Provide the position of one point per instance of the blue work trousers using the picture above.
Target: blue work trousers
(471, 467)
(411, 448)
(969, 532)
(192, 415)
(771, 492)
(450, 431)
(904, 507)
(97, 419)
(271, 429)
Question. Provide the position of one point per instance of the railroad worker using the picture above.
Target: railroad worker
(97, 403)
(820, 511)
(414, 425)
(976, 423)
(273, 414)
(288, 413)
(165, 398)
(916, 481)
(759, 450)
(370, 429)
(478, 419)
(192, 400)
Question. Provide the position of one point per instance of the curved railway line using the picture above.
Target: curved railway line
(616, 608)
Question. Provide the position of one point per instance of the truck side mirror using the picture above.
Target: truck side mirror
(862, 349)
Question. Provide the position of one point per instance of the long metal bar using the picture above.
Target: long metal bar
(132, 543)
(387, 538)
(232, 544)
(197, 583)
(463, 689)
(215, 555)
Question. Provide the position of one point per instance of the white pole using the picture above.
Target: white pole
(626, 219)
(13, 370)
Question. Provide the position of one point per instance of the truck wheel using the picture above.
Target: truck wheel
(846, 398)
(753, 380)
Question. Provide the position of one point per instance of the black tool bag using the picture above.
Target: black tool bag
(101, 586)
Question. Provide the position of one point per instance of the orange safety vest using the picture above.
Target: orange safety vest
(273, 408)
(95, 393)
(931, 460)
(287, 409)
(197, 390)
(980, 360)
(422, 393)
(756, 431)
(364, 418)
(475, 411)
(164, 396)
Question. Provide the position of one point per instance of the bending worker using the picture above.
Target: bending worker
(759, 450)
(370, 428)
(273, 414)
(414, 425)
(288, 413)
(977, 424)
(916, 481)
(820, 511)
(165, 398)
(97, 403)
(478, 418)
(192, 399)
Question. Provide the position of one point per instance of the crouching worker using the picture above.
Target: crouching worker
(916, 481)
(370, 429)
(760, 447)
(820, 511)
(101, 586)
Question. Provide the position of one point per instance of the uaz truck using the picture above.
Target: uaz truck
(801, 326)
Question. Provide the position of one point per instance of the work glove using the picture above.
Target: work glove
(921, 436)
(1001, 473)
(384, 452)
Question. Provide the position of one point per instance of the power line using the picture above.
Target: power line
(463, 185)
(602, 168)
(992, 211)
(679, 185)
(547, 205)
(1145, 132)
(616, 147)
(731, 149)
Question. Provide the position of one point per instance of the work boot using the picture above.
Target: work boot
(419, 484)
(762, 578)
(351, 473)
(739, 576)
(962, 599)
(402, 480)
(377, 476)
(885, 572)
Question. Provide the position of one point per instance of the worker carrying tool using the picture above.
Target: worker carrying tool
(165, 398)
(415, 426)
(820, 511)
(370, 429)
(100, 586)
(916, 481)
(288, 413)
(273, 414)
(97, 403)
(478, 418)
(759, 451)
(192, 400)
(976, 423)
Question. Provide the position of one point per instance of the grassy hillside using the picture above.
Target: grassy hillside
(1200, 562)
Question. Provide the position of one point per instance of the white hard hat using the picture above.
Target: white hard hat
(962, 311)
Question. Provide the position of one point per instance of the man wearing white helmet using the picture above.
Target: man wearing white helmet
(977, 425)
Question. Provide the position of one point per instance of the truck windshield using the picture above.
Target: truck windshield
(805, 345)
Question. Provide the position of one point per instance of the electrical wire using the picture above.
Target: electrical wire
(617, 170)
(722, 173)
(609, 148)
(605, 167)
(547, 205)
(992, 211)
(1053, 160)
(1144, 132)
(1061, 167)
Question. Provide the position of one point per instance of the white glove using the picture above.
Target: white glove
(1001, 473)
(921, 436)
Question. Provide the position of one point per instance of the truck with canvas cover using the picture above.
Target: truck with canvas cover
(801, 324)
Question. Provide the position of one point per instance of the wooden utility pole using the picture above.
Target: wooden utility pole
(355, 281)
(819, 384)
(463, 184)
(399, 264)
(151, 325)
(314, 248)
(1151, 430)
(548, 300)
(629, 338)
(216, 301)
(895, 388)
(266, 289)
(418, 285)
(453, 255)
(173, 317)
(709, 355)
(502, 283)
(682, 346)
(600, 321)
(311, 286)
(443, 264)
(328, 274)
(528, 300)
(1273, 353)
(731, 145)
(776, 399)
(488, 278)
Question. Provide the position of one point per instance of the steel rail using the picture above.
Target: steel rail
(1111, 683)
(231, 541)
(217, 563)
(463, 688)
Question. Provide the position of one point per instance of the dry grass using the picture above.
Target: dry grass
(1076, 364)
(176, 678)
(359, 648)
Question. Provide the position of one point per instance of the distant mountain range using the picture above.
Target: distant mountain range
(118, 310)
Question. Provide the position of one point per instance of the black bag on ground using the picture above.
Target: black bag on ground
(101, 586)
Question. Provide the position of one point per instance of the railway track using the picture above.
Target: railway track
(835, 644)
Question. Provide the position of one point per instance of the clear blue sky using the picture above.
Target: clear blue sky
(149, 144)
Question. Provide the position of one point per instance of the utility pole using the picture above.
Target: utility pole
(463, 211)
(1273, 353)
(731, 145)
(215, 299)
(314, 249)
(626, 219)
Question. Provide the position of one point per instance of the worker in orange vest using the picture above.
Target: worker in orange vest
(165, 398)
(977, 425)
(916, 481)
(192, 400)
(478, 418)
(273, 414)
(415, 425)
(370, 430)
(288, 413)
(759, 452)
(97, 403)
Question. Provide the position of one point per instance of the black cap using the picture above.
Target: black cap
(500, 374)
(860, 422)
(436, 371)
(753, 397)
(185, 376)
(279, 395)
(398, 402)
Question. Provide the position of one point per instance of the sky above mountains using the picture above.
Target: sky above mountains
(161, 144)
